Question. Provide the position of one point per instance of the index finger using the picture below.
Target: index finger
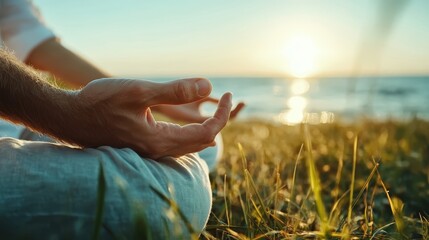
(206, 132)
(221, 116)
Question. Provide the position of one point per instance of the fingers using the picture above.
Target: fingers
(205, 133)
(210, 99)
(236, 110)
(178, 140)
(179, 91)
(232, 115)
(221, 116)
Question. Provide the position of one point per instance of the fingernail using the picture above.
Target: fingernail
(203, 87)
(229, 95)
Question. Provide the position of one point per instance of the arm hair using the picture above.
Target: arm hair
(25, 98)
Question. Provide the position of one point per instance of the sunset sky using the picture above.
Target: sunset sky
(249, 38)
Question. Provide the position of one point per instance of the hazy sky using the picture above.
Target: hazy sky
(224, 37)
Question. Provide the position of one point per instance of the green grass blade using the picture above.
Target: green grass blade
(175, 208)
(336, 208)
(247, 184)
(373, 171)
(352, 183)
(276, 196)
(379, 230)
(396, 207)
(339, 171)
(225, 195)
(245, 211)
(101, 194)
(292, 191)
(261, 202)
(316, 185)
(142, 227)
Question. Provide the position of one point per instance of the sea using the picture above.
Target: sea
(325, 100)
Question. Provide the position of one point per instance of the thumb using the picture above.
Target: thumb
(180, 91)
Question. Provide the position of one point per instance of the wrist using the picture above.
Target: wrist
(70, 118)
(54, 114)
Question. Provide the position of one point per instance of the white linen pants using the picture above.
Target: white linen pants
(49, 190)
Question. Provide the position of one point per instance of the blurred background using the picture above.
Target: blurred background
(290, 61)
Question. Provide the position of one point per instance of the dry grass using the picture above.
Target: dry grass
(294, 182)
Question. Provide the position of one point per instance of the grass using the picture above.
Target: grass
(368, 180)
(335, 181)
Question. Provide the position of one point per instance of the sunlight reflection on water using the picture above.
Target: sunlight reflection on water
(300, 86)
(297, 103)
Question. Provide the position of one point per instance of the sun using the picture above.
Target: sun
(301, 54)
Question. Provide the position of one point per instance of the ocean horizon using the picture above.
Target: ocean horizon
(327, 99)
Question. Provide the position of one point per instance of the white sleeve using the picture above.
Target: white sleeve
(22, 27)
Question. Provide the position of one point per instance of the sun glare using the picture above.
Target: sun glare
(301, 53)
(299, 86)
(297, 102)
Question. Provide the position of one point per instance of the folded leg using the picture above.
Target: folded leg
(49, 190)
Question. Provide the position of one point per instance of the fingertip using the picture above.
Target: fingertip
(239, 106)
(203, 87)
(237, 109)
(227, 97)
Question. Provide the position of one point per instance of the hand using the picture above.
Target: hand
(190, 112)
(117, 113)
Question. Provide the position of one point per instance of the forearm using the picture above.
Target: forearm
(27, 99)
(65, 65)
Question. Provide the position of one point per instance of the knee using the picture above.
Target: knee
(173, 194)
(195, 200)
(188, 187)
